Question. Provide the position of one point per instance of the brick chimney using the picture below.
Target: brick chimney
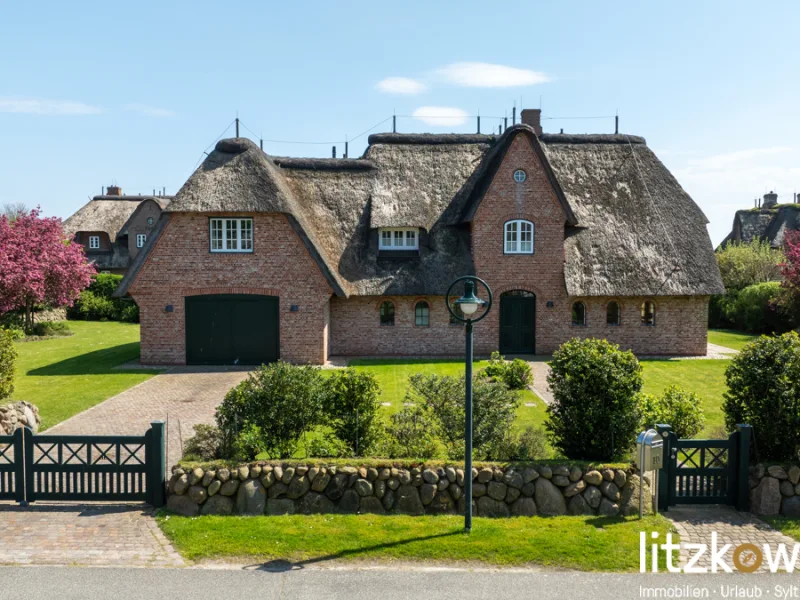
(113, 190)
(533, 118)
(770, 200)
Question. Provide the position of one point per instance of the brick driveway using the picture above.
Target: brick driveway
(182, 396)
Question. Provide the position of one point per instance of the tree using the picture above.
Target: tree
(14, 210)
(743, 264)
(38, 264)
(351, 408)
(790, 269)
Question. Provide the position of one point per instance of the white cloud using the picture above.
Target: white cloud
(719, 161)
(478, 74)
(401, 85)
(440, 116)
(37, 106)
(150, 111)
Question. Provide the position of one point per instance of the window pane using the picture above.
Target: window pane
(579, 313)
(511, 236)
(648, 313)
(387, 314)
(398, 239)
(231, 237)
(247, 234)
(411, 238)
(612, 314)
(216, 234)
(421, 314)
(386, 239)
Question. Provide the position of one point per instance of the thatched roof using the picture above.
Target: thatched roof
(630, 228)
(102, 215)
(768, 224)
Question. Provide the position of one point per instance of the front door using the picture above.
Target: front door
(518, 322)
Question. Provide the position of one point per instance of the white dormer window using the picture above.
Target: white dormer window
(519, 237)
(140, 240)
(398, 238)
(94, 242)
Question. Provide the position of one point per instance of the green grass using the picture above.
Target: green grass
(790, 527)
(706, 378)
(735, 340)
(65, 376)
(584, 543)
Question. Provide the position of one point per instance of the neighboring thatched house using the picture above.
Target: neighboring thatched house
(261, 257)
(768, 221)
(113, 227)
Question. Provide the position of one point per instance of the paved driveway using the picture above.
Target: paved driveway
(182, 396)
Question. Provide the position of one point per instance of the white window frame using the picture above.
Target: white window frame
(141, 239)
(399, 238)
(94, 242)
(512, 237)
(520, 176)
(226, 226)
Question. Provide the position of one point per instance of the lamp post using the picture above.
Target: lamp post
(468, 304)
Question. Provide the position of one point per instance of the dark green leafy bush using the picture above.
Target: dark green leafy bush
(351, 407)
(51, 329)
(764, 391)
(97, 304)
(8, 356)
(756, 309)
(532, 444)
(206, 444)
(676, 407)
(328, 446)
(595, 413)
(516, 374)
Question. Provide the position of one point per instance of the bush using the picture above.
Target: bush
(764, 391)
(206, 444)
(595, 414)
(755, 309)
(270, 411)
(745, 264)
(97, 304)
(494, 411)
(351, 407)
(16, 334)
(51, 329)
(8, 356)
(516, 374)
(91, 307)
(532, 444)
(409, 435)
(328, 446)
(675, 407)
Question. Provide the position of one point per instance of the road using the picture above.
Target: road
(71, 583)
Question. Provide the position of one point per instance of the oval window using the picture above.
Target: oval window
(520, 176)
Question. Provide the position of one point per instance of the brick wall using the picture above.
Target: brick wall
(181, 265)
(148, 209)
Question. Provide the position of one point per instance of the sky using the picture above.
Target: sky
(95, 93)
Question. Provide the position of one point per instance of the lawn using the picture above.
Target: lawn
(64, 376)
(392, 376)
(790, 527)
(736, 340)
(706, 378)
(584, 543)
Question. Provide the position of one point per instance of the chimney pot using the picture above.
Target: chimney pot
(533, 118)
(113, 190)
(770, 200)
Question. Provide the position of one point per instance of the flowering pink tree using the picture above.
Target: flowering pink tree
(791, 274)
(38, 264)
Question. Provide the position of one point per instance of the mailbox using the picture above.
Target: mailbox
(650, 450)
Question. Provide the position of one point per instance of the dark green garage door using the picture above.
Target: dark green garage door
(231, 329)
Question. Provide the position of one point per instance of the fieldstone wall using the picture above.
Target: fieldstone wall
(19, 414)
(775, 490)
(277, 489)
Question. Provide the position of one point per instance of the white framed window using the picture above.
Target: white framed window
(520, 175)
(398, 238)
(141, 238)
(231, 235)
(519, 237)
(94, 242)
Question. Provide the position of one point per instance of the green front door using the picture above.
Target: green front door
(517, 322)
(231, 329)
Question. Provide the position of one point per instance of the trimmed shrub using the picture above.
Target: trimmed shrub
(595, 413)
(270, 411)
(755, 309)
(51, 329)
(676, 407)
(97, 304)
(8, 357)
(328, 446)
(764, 391)
(204, 445)
(409, 435)
(351, 407)
(516, 374)
(494, 411)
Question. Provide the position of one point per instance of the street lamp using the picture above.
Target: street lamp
(469, 304)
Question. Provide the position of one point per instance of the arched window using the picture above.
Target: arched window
(387, 314)
(579, 314)
(422, 314)
(518, 237)
(613, 313)
(648, 313)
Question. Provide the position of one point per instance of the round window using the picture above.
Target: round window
(149, 220)
(520, 176)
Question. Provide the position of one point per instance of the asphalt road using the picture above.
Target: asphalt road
(68, 583)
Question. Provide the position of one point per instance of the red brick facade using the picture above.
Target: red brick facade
(181, 265)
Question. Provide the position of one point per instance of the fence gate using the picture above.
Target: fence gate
(705, 471)
(83, 467)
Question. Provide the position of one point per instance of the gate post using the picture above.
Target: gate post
(663, 473)
(743, 467)
(156, 465)
(20, 481)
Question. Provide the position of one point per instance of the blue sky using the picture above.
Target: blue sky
(92, 93)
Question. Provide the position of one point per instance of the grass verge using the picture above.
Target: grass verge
(735, 340)
(790, 527)
(582, 543)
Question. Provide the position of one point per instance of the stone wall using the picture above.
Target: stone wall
(498, 491)
(19, 414)
(775, 490)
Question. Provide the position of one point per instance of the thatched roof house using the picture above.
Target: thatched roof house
(769, 221)
(610, 221)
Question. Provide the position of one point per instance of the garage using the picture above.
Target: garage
(231, 329)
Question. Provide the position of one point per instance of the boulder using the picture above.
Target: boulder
(208, 478)
(196, 476)
(478, 490)
(363, 487)
(524, 507)
(278, 472)
(549, 500)
(787, 489)
(407, 501)
(312, 473)
(213, 488)
(223, 474)
(794, 474)
(496, 490)
(321, 482)
(430, 476)
(267, 479)
(485, 475)
(511, 495)
(388, 499)
(578, 506)
(765, 498)
(546, 472)
(350, 502)
(19, 414)
(183, 505)
(280, 506)
(229, 487)
(197, 493)
(529, 474)
(251, 498)
(608, 474)
(372, 474)
(337, 486)
(560, 480)
(298, 487)
(379, 488)
(426, 493)
(528, 489)
(443, 484)
(629, 497)
(181, 485)
(277, 490)
(243, 472)
(593, 496)
(441, 504)
(574, 489)
(778, 472)
(288, 473)
(561, 470)
(384, 474)
(404, 476)
(608, 508)
(513, 479)
(218, 505)
(393, 484)
(371, 505)
(791, 507)
(620, 478)
(315, 503)
(488, 507)
(450, 473)
(610, 490)
(593, 477)
(758, 471)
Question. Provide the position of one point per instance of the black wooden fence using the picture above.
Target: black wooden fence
(84, 467)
